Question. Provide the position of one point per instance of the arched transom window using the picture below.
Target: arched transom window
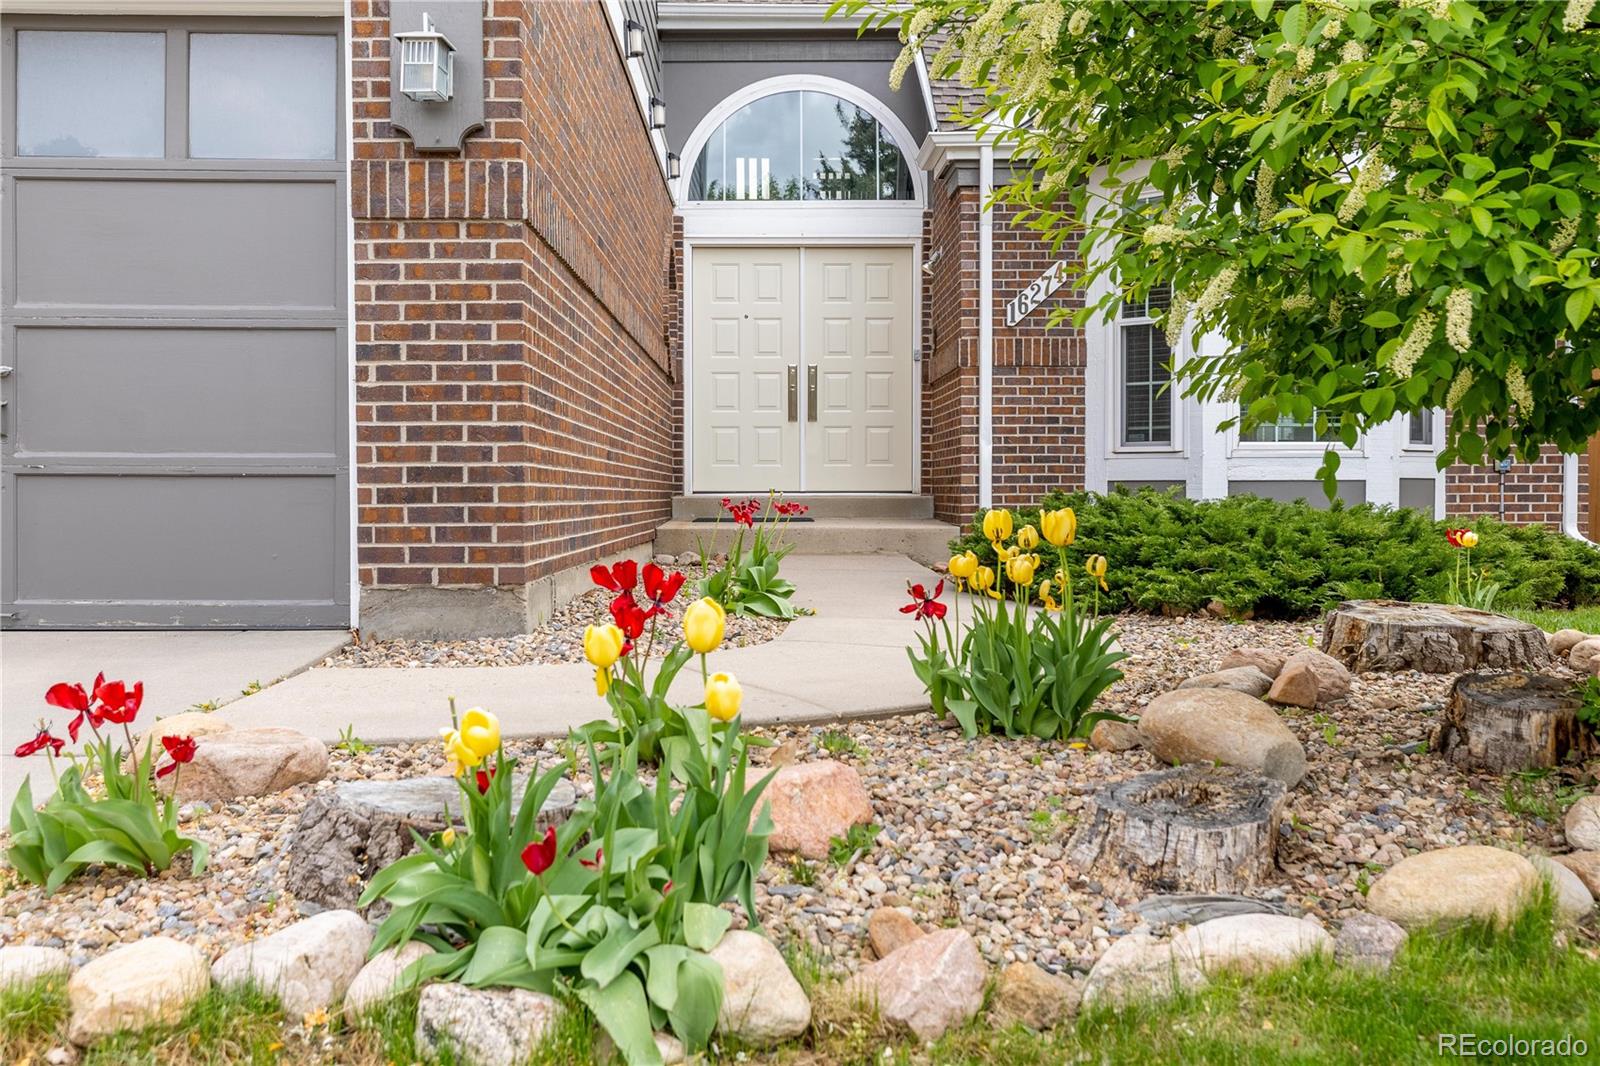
(801, 145)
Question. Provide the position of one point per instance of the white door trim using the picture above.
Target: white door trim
(686, 412)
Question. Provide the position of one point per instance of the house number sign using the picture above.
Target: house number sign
(1043, 287)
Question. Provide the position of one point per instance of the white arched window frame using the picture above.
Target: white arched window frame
(851, 94)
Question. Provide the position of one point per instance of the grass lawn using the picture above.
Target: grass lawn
(1584, 618)
(1492, 984)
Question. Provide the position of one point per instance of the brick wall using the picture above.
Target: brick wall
(513, 395)
(950, 368)
(1533, 491)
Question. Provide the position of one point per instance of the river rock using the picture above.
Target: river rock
(927, 987)
(1581, 655)
(1251, 943)
(1573, 899)
(1368, 942)
(1586, 864)
(307, 966)
(1583, 824)
(1026, 995)
(762, 1003)
(1266, 660)
(1563, 641)
(1310, 674)
(251, 762)
(149, 982)
(890, 929)
(1109, 735)
(1139, 966)
(813, 802)
(483, 1026)
(1246, 679)
(1220, 725)
(1453, 885)
(376, 983)
(25, 964)
(1295, 686)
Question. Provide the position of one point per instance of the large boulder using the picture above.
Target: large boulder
(1583, 824)
(1246, 679)
(1266, 660)
(1251, 943)
(1220, 725)
(306, 966)
(762, 1003)
(1581, 656)
(1139, 966)
(251, 762)
(378, 981)
(1026, 995)
(1573, 900)
(483, 1026)
(813, 802)
(1454, 885)
(928, 987)
(25, 964)
(1368, 942)
(1586, 864)
(149, 982)
(195, 724)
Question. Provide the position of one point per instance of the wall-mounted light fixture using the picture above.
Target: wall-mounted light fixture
(427, 63)
(633, 34)
(658, 113)
(674, 166)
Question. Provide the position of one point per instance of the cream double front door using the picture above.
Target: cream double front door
(802, 369)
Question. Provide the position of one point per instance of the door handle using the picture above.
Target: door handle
(811, 394)
(794, 393)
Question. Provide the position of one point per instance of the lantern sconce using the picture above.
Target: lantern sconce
(634, 33)
(674, 166)
(427, 64)
(658, 113)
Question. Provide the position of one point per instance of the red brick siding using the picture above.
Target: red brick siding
(1533, 491)
(950, 368)
(513, 406)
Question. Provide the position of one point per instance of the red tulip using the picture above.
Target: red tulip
(924, 605)
(629, 616)
(666, 888)
(74, 698)
(594, 863)
(181, 749)
(540, 855)
(660, 586)
(484, 778)
(117, 704)
(1453, 537)
(39, 743)
(620, 578)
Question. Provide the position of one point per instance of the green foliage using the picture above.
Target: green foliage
(1589, 710)
(350, 743)
(857, 841)
(644, 717)
(1268, 559)
(624, 914)
(1381, 207)
(748, 582)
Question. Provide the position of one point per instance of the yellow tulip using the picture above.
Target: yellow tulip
(460, 755)
(1046, 598)
(963, 566)
(982, 578)
(602, 645)
(1020, 568)
(1028, 538)
(997, 525)
(722, 696)
(480, 731)
(602, 681)
(448, 837)
(703, 623)
(1060, 527)
(1469, 539)
(1095, 567)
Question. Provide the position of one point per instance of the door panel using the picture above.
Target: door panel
(858, 313)
(746, 340)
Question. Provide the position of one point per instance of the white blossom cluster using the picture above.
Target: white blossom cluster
(1402, 279)
(1266, 202)
(1458, 319)
(1439, 9)
(1458, 388)
(1517, 389)
(1416, 341)
(1278, 88)
(1566, 232)
(1177, 315)
(1368, 177)
(1300, 301)
(1352, 52)
(1079, 21)
(1576, 16)
(1305, 57)
(1163, 233)
(1217, 290)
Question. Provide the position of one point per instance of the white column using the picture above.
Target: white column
(985, 327)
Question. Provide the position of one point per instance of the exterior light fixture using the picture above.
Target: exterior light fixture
(658, 113)
(427, 64)
(674, 166)
(633, 34)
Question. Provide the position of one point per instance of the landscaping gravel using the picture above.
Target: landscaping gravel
(973, 833)
(560, 640)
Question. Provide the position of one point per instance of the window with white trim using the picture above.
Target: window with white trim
(1144, 372)
(1290, 430)
(1419, 429)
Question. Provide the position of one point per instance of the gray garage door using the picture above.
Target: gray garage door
(176, 410)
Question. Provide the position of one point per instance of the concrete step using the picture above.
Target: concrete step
(874, 505)
(923, 539)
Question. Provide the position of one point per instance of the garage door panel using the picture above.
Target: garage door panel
(194, 392)
(190, 243)
(150, 539)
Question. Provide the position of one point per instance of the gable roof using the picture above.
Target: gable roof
(950, 97)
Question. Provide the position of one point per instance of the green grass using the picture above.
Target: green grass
(1471, 980)
(1584, 618)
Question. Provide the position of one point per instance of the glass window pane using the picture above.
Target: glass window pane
(1289, 430)
(91, 94)
(1146, 391)
(839, 143)
(755, 155)
(1420, 430)
(262, 96)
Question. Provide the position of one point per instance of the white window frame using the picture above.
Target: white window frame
(1431, 419)
(1118, 376)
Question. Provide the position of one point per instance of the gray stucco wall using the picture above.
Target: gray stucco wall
(699, 71)
(1351, 492)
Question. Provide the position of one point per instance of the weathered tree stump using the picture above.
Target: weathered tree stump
(1507, 722)
(1192, 829)
(1436, 638)
(346, 835)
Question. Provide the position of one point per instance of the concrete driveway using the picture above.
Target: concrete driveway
(179, 670)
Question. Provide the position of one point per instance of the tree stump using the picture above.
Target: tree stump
(1436, 638)
(1507, 722)
(347, 835)
(1189, 829)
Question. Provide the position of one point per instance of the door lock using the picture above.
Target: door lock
(811, 394)
(794, 393)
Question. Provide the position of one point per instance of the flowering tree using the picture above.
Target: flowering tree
(1382, 206)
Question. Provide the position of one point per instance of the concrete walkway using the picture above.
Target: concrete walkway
(847, 660)
(179, 669)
